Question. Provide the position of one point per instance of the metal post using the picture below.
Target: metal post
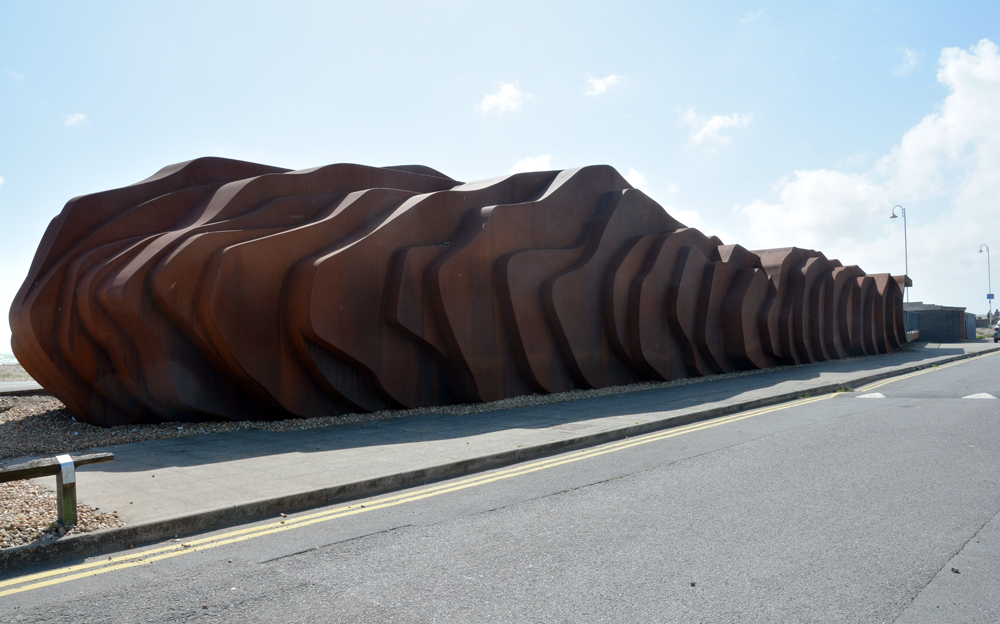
(989, 283)
(906, 251)
(906, 254)
(66, 490)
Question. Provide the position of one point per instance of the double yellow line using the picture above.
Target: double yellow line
(145, 557)
(931, 369)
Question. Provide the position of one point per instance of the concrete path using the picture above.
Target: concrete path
(208, 481)
(166, 478)
(19, 387)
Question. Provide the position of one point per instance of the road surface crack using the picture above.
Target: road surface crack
(946, 565)
(338, 542)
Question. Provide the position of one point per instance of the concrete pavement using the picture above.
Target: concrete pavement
(19, 387)
(185, 485)
(829, 508)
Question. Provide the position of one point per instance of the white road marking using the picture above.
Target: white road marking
(873, 395)
(980, 395)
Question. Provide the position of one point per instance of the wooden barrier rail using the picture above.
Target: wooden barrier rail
(64, 469)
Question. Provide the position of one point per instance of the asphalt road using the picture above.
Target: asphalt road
(833, 509)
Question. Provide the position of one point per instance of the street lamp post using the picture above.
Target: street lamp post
(989, 283)
(906, 252)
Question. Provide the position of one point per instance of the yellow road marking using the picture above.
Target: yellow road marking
(157, 554)
(879, 384)
(146, 557)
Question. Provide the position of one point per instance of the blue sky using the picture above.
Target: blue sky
(769, 124)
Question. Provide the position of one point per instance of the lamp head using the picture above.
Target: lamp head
(894, 216)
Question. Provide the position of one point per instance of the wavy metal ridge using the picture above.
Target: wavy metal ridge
(225, 290)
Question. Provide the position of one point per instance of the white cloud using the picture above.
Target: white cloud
(532, 163)
(636, 179)
(815, 209)
(857, 159)
(689, 218)
(13, 74)
(597, 86)
(508, 98)
(943, 170)
(1, 181)
(753, 16)
(76, 120)
(909, 61)
(711, 129)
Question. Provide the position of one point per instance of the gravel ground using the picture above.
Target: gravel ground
(13, 372)
(40, 425)
(28, 513)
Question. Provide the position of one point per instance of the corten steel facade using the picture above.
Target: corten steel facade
(220, 289)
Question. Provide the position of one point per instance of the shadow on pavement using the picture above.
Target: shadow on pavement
(569, 416)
